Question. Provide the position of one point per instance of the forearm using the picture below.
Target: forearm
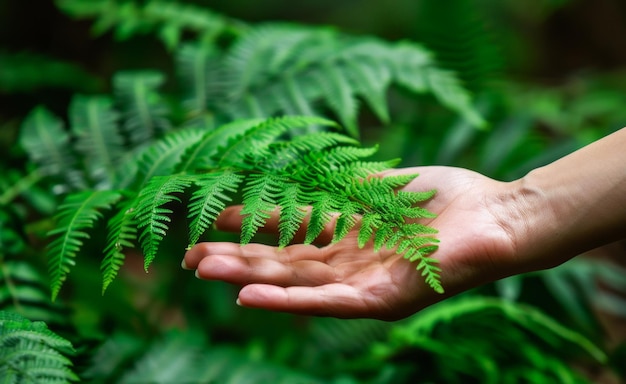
(574, 204)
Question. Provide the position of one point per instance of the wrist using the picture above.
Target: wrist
(574, 204)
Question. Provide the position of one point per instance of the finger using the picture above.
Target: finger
(337, 300)
(285, 255)
(257, 263)
(230, 220)
(201, 250)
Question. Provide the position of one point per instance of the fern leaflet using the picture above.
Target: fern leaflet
(209, 200)
(47, 144)
(30, 352)
(122, 234)
(292, 213)
(291, 70)
(75, 216)
(94, 124)
(145, 114)
(151, 216)
(260, 198)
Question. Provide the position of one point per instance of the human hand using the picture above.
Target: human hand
(341, 280)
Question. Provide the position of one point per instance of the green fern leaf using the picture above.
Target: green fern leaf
(288, 69)
(78, 213)
(22, 292)
(202, 154)
(198, 67)
(161, 158)
(323, 203)
(370, 222)
(448, 90)
(292, 213)
(144, 111)
(94, 124)
(260, 198)
(209, 200)
(30, 352)
(346, 220)
(370, 79)
(48, 146)
(168, 19)
(339, 93)
(122, 234)
(151, 216)
(256, 140)
(284, 154)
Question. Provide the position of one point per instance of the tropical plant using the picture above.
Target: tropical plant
(31, 353)
(145, 169)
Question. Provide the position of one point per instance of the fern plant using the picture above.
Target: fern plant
(168, 19)
(503, 342)
(323, 170)
(289, 69)
(31, 353)
(279, 68)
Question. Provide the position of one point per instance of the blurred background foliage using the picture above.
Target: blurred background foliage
(548, 77)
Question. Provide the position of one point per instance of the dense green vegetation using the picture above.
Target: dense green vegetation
(126, 126)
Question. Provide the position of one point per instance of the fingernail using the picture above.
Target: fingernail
(183, 265)
(196, 274)
(238, 302)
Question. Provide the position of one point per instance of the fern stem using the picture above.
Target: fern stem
(20, 186)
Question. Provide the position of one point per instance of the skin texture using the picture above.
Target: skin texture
(487, 230)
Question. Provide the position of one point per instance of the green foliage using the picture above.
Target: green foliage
(141, 103)
(187, 140)
(184, 356)
(503, 342)
(25, 72)
(31, 353)
(167, 18)
(458, 33)
(78, 213)
(23, 291)
(297, 70)
(270, 172)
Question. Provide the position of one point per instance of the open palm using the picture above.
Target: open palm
(342, 280)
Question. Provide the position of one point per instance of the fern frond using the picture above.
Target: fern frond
(162, 157)
(323, 203)
(462, 41)
(260, 198)
(209, 200)
(199, 68)
(282, 154)
(98, 139)
(370, 80)
(203, 153)
(346, 220)
(30, 352)
(339, 94)
(22, 291)
(76, 215)
(550, 350)
(292, 213)
(254, 141)
(48, 145)
(121, 234)
(143, 110)
(288, 69)
(168, 19)
(151, 215)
